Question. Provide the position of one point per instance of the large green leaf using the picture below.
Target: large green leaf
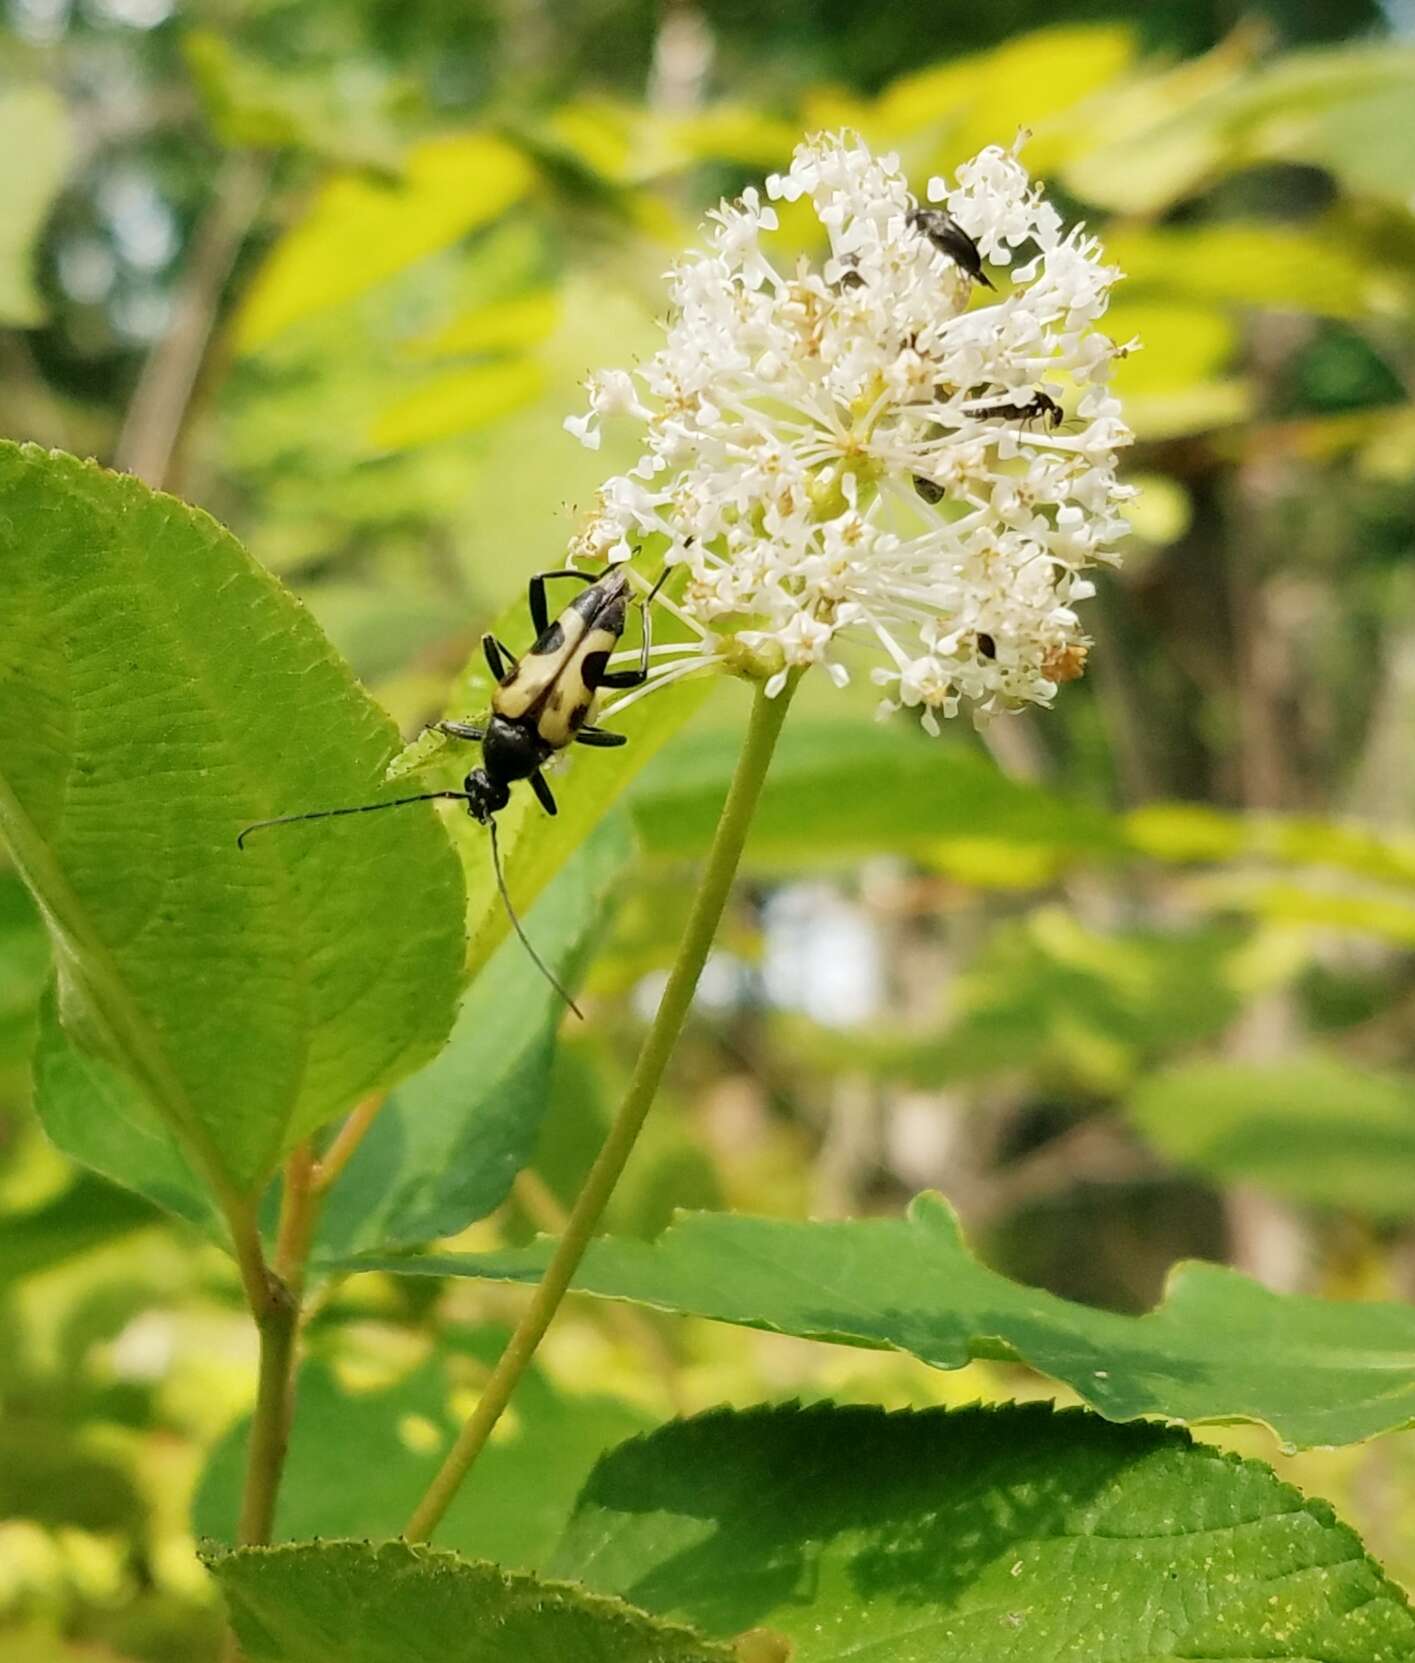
(442, 1151)
(445, 1148)
(978, 1536)
(34, 125)
(97, 1115)
(1314, 1128)
(1220, 1348)
(24, 964)
(359, 1461)
(157, 691)
(390, 1602)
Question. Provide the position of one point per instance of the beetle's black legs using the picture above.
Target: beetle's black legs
(542, 791)
(636, 678)
(535, 597)
(459, 730)
(501, 661)
(601, 737)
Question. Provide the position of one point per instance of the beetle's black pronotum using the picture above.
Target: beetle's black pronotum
(541, 703)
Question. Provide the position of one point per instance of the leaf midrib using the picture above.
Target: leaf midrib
(87, 958)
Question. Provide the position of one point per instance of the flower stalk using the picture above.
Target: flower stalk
(763, 730)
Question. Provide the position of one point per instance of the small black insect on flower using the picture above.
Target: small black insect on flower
(949, 238)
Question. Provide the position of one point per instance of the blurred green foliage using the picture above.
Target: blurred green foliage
(1137, 974)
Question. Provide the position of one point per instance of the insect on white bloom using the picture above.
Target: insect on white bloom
(852, 450)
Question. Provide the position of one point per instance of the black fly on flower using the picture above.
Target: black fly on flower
(855, 450)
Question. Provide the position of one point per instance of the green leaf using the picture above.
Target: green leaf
(34, 125)
(253, 103)
(50, 1472)
(97, 1115)
(360, 231)
(1167, 138)
(457, 401)
(1033, 80)
(511, 324)
(359, 1461)
(391, 1602)
(840, 790)
(87, 1213)
(1220, 1348)
(158, 691)
(1243, 264)
(445, 1148)
(1047, 994)
(24, 965)
(978, 1536)
(1315, 1129)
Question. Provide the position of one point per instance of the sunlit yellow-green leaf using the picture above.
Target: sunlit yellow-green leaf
(457, 402)
(33, 126)
(598, 133)
(1147, 102)
(520, 321)
(840, 791)
(1065, 1003)
(1389, 857)
(1181, 344)
(735, 133)
(1184, 832)
(1024, 83)
(995, 863)
(1336, 107)
(1163, 510)
(360, 231)
(1171, 413)
(1368, 143)
(1356, 912)
(1244, 264)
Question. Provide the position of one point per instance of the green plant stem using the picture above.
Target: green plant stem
(277, 1321)
(270, 1425)
(763, 730)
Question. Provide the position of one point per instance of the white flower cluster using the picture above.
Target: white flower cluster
(856, 451)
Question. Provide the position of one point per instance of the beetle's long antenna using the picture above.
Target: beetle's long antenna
(361, 808)
(536, 959)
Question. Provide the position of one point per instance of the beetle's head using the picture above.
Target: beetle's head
(485, 796)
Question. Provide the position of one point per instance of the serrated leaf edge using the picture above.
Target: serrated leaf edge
(215, 1554)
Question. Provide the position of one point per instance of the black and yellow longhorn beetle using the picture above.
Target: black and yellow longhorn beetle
(541, 703)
